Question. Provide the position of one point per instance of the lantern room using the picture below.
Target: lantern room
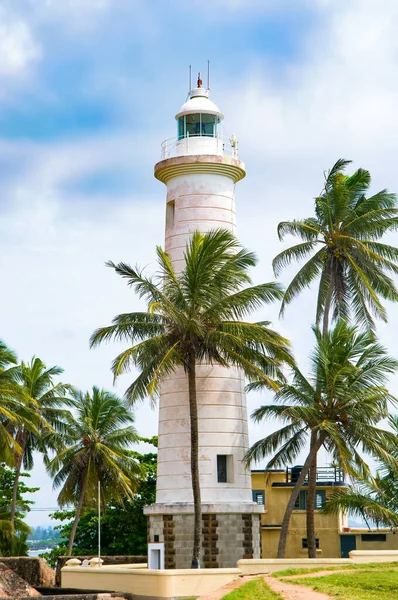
(199, 124)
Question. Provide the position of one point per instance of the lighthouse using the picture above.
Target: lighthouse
(200, 169)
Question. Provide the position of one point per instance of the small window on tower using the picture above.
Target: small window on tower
(225, 468)
(222, 468)
(170, 210)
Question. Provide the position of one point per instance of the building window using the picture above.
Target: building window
(258, 496)
(301, 502)
(222, 468)
(170, 210)
(304, 543)
(373, 537)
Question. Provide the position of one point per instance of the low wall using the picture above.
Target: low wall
(268, 565)
(108, 560)
(373, 556)
(30, 568)
(168, 584)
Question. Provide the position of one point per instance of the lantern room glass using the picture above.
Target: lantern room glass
(198, 124)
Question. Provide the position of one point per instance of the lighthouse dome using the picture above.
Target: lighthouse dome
(199, 102)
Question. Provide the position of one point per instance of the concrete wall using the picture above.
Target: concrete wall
(107, 560)
(149, 584)
(391, 542)
(267, 565)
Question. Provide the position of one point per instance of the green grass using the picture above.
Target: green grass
(256, 589)
(365, 584)
(363, 567)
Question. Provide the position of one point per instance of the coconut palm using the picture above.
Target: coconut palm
(339, 405)
(193, 317)
(14, 408)
(97, 437)
(341, 242)
(45, 399)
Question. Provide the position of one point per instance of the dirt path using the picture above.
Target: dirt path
(289, 591)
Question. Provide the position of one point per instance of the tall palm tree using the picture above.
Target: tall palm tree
(193, 317)
(14, 409)
(45, 399)
(340, 404)
(341, 242)
(97, 438)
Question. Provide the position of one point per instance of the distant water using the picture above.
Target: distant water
(37, 552)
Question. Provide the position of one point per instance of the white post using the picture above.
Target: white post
(99, 523)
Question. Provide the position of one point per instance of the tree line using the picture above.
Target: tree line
(203, 314)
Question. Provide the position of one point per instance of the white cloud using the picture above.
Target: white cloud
(18, 47)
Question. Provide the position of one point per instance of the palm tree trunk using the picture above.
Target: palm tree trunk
(311, 503)
(193, 413)
(21, 440)
(294, 496)
(78, 513)
(328, 302)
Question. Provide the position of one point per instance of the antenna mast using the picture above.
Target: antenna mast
(190, 78)
(208, 74)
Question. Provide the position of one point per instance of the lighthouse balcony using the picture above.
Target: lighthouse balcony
(202, 143)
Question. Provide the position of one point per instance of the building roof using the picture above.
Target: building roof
(199, 102)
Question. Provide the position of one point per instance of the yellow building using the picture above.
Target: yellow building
(335, 539)
(273, 489)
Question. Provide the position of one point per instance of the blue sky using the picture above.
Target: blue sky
(89, 89)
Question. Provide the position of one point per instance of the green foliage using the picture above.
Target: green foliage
(96, 436)
(14, 407)
(123, 528)
(44, 534)
(197, 312)
(341, 243)
(13, 543)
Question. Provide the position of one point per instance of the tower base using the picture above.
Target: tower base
(229, 532)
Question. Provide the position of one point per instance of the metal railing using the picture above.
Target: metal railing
(178, 146)
(326, 475)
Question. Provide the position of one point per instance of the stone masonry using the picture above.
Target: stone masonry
(226, 538)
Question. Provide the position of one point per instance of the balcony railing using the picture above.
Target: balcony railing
(201, 144)
(324, 475)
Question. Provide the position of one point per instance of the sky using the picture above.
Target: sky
(88, 91)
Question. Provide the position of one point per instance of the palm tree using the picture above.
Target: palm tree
(342, 241)
(195, 317)
(45, 399)
(97, 438)
(339, 405)
(374, 499)
(14, 410)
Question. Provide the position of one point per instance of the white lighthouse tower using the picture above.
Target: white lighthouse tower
(200, 170)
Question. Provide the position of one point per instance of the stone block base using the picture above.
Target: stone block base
(226, 537)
